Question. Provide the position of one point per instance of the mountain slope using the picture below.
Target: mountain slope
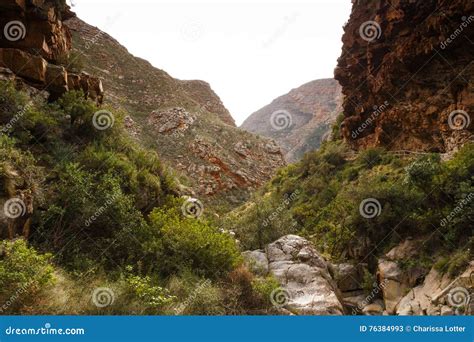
(184, 121)
(306, 115)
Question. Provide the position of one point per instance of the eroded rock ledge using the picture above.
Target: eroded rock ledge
(35, 46)
(405, 67)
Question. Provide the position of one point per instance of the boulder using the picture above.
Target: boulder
(419, 300)
(256, 261)
(174, 120)
(32, 68)
(349, 277)
(56, 79)
(390, 274)
(304, 276)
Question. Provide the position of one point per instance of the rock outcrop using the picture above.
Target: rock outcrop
(300, 120)
(308, 287)
(406, 73)
(440, 295)
(396, 280)
(184, 121)
(35, 46)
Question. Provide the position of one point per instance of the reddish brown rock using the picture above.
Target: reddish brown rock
(404, 75)
(32, 68)
(36, 27)
(36, 71)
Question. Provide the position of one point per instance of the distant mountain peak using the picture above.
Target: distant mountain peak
(300, 119)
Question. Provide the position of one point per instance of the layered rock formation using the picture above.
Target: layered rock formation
(308, 287)
(406, 73)
(184, 121)
(301, 119)
(35, 46)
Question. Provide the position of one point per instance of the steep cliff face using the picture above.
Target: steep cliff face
(299, 120)
(35, 46)
(406, 73)
(184, 121)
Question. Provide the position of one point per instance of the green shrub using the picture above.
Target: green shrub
(178, 243)
(24, 274)
(151, 296)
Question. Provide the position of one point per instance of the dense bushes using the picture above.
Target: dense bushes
(418, 196)
(101, 203)
(24, 274)
(187, 243)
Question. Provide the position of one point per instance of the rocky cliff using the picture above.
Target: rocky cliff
(35, 46)
(406, 74)
(184, 121)
(300, 119)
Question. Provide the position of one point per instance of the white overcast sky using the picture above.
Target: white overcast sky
(250, 51)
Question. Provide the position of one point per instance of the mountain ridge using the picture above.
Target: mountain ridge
(306, 112)
(186, 117)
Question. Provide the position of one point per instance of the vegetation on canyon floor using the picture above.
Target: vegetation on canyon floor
(158, 261)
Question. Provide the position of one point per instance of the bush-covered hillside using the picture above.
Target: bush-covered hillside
(98, 220)
(355, 207)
